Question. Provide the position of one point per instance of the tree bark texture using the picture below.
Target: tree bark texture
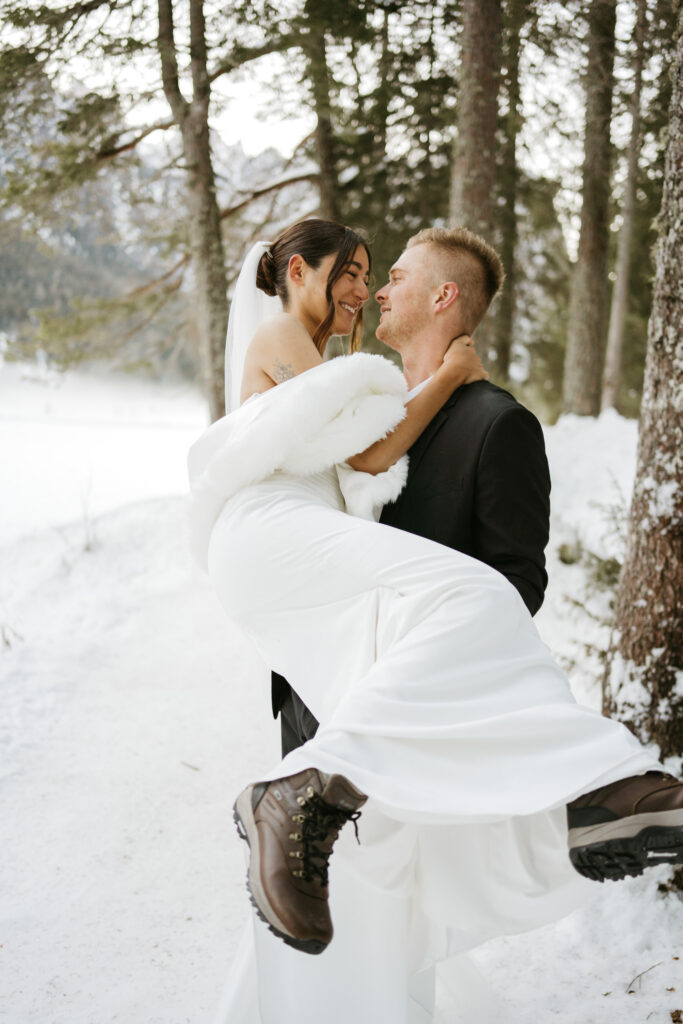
(617, 320)
(588, 304)
(644, 686)
(473, 178)
(515, 14)
(380, 107)
(315, 49)
(204, 221)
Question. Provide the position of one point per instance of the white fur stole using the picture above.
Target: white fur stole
(313, 421)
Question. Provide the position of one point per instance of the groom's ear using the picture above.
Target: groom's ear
(446, 295)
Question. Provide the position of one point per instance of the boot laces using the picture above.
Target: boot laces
(322, 823)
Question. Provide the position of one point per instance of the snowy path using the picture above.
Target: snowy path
(131, 715)
(130, 704)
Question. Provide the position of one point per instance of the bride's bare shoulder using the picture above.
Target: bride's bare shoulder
(281, 348)
(281, 329)
(284, 337)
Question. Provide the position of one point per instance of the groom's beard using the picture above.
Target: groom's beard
(386, 343)
(398, 333)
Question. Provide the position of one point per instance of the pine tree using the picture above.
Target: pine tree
(473, 172)
(206, 244)
(474, 159)
(393, 87)
(314, 25)
(515, 14)
(655, 102)
(588, 308)
(94, 134)
(617, 320)
(644, 686)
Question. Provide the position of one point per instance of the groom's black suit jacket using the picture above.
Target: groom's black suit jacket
(478, 482)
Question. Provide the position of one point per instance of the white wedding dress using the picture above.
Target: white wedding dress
(435, 696)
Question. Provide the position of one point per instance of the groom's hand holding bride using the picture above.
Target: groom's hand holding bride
(461, 356)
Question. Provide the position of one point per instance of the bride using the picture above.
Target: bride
(441, 712)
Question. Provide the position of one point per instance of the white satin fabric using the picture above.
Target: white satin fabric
(309, 423)
(437, 698)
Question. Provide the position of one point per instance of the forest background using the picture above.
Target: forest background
(554, 130)
(124, 215)
(127, 202)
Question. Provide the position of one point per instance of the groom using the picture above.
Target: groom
(478, 482)
(478, 476)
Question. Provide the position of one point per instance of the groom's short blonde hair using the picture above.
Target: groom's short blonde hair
(473, 264)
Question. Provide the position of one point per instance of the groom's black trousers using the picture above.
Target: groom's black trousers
(297, 724)
(478, 482)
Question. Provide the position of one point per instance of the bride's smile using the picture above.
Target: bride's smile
(311, 299)
(350, 292)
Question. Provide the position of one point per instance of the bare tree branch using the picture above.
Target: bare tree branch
(243, 54)
(150, 285)
(275, 187)
(299, 146)
(165, 297)
(125, 147)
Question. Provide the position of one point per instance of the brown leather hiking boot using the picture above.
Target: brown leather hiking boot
(291, 826)
(625, 827)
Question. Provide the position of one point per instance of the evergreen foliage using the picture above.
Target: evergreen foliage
(660, 42)
(382, 81)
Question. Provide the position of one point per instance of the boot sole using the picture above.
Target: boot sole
(246, 829)
(613, 853)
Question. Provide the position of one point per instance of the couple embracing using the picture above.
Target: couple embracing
(418, 701)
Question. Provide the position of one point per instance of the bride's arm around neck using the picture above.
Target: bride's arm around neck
(280, 349)
(460, 366)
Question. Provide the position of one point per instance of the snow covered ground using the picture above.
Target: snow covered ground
(132, 714)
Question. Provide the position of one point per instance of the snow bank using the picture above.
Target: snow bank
(73, 446)
(592, 463)
(132, 714)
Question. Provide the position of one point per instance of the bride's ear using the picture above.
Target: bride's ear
(296, 269)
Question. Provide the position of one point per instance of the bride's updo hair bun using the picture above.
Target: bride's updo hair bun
(265, 274)
(313, 240)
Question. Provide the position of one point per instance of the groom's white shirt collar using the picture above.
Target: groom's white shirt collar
(417, 389)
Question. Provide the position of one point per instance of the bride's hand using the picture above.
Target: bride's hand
(461, 358)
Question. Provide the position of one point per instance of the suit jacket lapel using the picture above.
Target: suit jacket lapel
(423, 442)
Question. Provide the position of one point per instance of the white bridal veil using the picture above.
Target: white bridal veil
(249, 308)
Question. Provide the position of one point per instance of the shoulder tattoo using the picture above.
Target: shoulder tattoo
(282, 372)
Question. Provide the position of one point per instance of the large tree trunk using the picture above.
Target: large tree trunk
(473, 176)
(208, 260)
(615, 337)
(206, 243)
(380, 106)
(645, 685)
(588, 305)
(515, 14)
(315, 48)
